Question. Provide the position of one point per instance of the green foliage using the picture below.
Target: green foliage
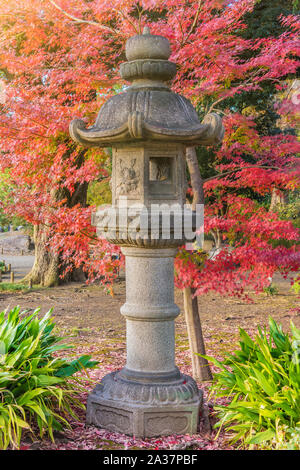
(271, 290)
(296, 287)
(10, 286)
(291, 211)
(2, 266)
(207, 161)
(6, 194)
(293, 443)
(262, 379)
(37, 389)
(264, 20)
(99, 193)
(14, 221)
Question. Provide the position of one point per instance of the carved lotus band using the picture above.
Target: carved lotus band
(135, 239)
(114, 388)
(146, 232)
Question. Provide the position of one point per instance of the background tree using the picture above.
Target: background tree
(59, 60)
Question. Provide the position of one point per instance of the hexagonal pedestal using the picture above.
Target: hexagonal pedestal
(145, 409)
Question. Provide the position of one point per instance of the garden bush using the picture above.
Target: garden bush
(262, 379)
(38, 389)
(11, 286)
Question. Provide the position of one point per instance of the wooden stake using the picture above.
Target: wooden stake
(8, 268)
(200, 366)
(12, 277)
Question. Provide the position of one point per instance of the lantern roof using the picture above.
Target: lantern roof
(148, 110)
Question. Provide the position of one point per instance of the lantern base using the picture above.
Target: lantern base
(145, 409)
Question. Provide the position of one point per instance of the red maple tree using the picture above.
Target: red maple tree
(59, 60)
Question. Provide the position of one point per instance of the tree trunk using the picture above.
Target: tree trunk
(278, 198)
(200, 368)
(48, 266)
(196, 179)
(45, 271)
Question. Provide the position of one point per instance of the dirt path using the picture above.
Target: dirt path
(89, 315)
(91, 320)
(16, 250)
(20, 265)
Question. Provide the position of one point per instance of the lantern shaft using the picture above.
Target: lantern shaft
(148, 127)
(149, 396)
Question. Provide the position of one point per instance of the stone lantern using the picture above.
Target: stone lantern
(148, 127)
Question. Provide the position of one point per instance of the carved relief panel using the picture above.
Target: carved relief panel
(152, 173)
(165, 173)
(128, 175)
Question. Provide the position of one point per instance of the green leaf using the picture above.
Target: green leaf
(262, 437)
(35, 386)
(263, 384)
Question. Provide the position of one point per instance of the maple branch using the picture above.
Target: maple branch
(182, 33)
(95, 23)
(18, 130)
(183, 39)
(249, 81)
(88, 235)
(212, 107)
(79, 20)
(195, 20)
(119, 12)
(44, 224)
(23, 113)
(221, 175)
(221, 111)
(140, 18)
(22, 138)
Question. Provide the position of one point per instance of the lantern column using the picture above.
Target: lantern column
(148, 127)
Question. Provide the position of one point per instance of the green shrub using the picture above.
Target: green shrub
(99, 193)
(271, 290)
(262, 379)
(296, 287)
(37, 390)
(10, 286)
